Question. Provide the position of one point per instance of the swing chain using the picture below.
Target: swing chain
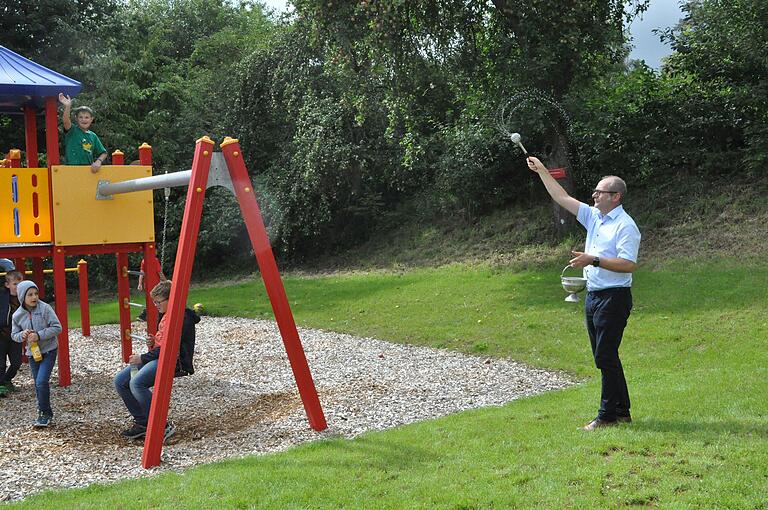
(165, 227)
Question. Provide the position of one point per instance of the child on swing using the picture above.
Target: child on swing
(135, 390)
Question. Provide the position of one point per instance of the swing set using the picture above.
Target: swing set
(112, 212)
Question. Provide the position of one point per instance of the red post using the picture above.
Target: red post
(38, 275)
(123, 297)
(145, 154)
(182, 272)
(118, 158)
(15, 156)
(60, 289)
(30, 132)
(85, 311)
(52, 131)
(272, 281)
(52, 151)
(151, 278)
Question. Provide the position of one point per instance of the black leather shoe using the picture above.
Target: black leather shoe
(624, 419)
(597, 423)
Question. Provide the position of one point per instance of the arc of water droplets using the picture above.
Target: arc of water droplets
(505, 119)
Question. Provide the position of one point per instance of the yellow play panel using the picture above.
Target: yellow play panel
(80, 219)
(24, 210)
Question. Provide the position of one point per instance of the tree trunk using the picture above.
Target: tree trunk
(556, 159)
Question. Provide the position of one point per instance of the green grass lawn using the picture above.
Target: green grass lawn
(694, 353)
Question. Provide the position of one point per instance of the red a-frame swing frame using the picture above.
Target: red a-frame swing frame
(182, 271)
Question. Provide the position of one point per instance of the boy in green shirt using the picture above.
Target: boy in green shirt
(81, 146)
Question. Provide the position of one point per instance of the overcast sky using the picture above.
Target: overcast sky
(661, 14)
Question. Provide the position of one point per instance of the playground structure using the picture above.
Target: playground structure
(61, 211)
(82, 277)
(27, 231)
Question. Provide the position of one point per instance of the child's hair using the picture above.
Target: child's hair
(86, 109)
(14, 276)
(161, 290)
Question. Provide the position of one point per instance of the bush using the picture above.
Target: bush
(470, 177)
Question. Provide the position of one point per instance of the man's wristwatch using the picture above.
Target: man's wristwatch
(596, 261)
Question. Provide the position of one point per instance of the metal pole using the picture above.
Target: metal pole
(218, 176)
(106, 189)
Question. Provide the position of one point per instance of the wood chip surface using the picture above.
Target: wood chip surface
(242, 400)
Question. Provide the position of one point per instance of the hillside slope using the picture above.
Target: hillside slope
(682, 218)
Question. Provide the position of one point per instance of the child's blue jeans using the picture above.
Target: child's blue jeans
(136, 392)
(41, 374)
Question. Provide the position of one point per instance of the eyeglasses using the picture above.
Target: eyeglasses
(157, 303)
(598, 191)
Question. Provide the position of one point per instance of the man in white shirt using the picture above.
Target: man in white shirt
(609, 259)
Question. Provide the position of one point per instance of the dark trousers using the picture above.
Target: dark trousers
(607, 312)
(12, 351)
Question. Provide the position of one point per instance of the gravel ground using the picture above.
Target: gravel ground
(242, 400)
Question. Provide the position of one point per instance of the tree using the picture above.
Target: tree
(483, 50)
(324, 165)
(720, 47)
(58, 34)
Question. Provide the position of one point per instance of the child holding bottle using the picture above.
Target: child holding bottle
(36, 322)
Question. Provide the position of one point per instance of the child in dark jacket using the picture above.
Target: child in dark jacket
(135, 390)
(10, 350)
(36, 322)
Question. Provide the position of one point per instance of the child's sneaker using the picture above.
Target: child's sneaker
(9, 386)
(43, 419)
(170, 429)
(135, 432)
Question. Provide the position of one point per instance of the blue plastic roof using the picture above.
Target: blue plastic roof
(23, 82)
